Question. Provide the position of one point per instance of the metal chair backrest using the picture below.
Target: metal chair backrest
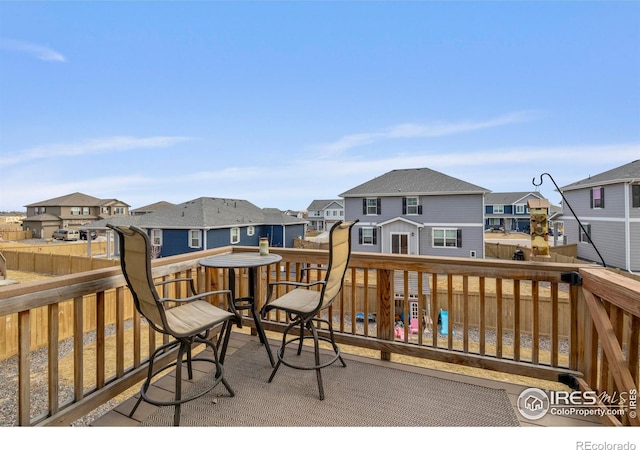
(339, 254)
(135, 260)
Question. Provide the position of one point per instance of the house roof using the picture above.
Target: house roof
(207, 212)
(422, 181)
(509, 198)
(75, 199)
(152, 207)
(318, 205)
(623, 174)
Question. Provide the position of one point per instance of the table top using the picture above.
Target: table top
(237, 260)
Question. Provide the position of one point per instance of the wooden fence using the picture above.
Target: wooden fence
(60, 260)
(491, 315)
(566, 254)
(15, 234)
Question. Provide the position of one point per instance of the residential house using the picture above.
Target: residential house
(150, 208)
(508, 211)
(417, 212)
(322, 214)
(70, 211)
(206, 223)
(298, 214)
(608, 207)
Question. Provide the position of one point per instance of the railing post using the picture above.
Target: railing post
(384, 300)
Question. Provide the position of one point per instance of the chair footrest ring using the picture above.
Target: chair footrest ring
(280, 354)
(216, 380)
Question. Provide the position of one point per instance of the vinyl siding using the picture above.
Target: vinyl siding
(449, 211)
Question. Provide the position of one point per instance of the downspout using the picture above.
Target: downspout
(627, 225)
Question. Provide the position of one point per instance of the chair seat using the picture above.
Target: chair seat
(298, 301)
(195, 317)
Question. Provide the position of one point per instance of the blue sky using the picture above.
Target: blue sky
(281, 103)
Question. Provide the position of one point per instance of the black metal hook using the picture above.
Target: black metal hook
(566, 202)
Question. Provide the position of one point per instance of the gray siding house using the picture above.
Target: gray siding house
(608, 206)
(322, 214)
(417, 212)
(206, 223)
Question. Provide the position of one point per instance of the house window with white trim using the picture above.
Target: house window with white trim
(411, 206)
(584, 237)
(521, 209)
(156, 237)
(597, 197)
(498, 209)
(235, 235)
(367, 236)
(195, 238)
(447, 237)
(371, 206)
(251, 230)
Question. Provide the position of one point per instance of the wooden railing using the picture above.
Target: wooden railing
(485, 329)
(611, 337)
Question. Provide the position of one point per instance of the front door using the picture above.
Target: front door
(400, 244)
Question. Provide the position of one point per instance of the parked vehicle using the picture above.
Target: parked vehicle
(64, 234)
(92, 233)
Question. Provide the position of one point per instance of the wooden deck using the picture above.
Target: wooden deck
(164, 388)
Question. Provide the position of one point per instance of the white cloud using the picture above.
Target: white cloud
(41, 52)
(105, 145)
(413, 130)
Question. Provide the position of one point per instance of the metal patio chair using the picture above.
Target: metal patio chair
(303, 304)
(188, 321)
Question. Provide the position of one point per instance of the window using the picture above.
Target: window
(156, 237)
(85, 211)
(447, 237)
(597, 197)
(371, 206)
(584, 237)
(498, 209)
(410, 206)
(105, 210)
(251, 230)
(635, 195)
(367, 236)
(235, 235)
(75, 210)
(521, 209)
(118, 211)
(195, 237)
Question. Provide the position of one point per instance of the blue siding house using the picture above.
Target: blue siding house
(206, 223)
(417, 212)
(507, 211)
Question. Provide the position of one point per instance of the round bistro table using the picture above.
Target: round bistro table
(251, 261)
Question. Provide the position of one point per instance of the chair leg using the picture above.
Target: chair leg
(333, 343)
(280, 352)
(178, 393)
(145, 387)
(316, 349)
